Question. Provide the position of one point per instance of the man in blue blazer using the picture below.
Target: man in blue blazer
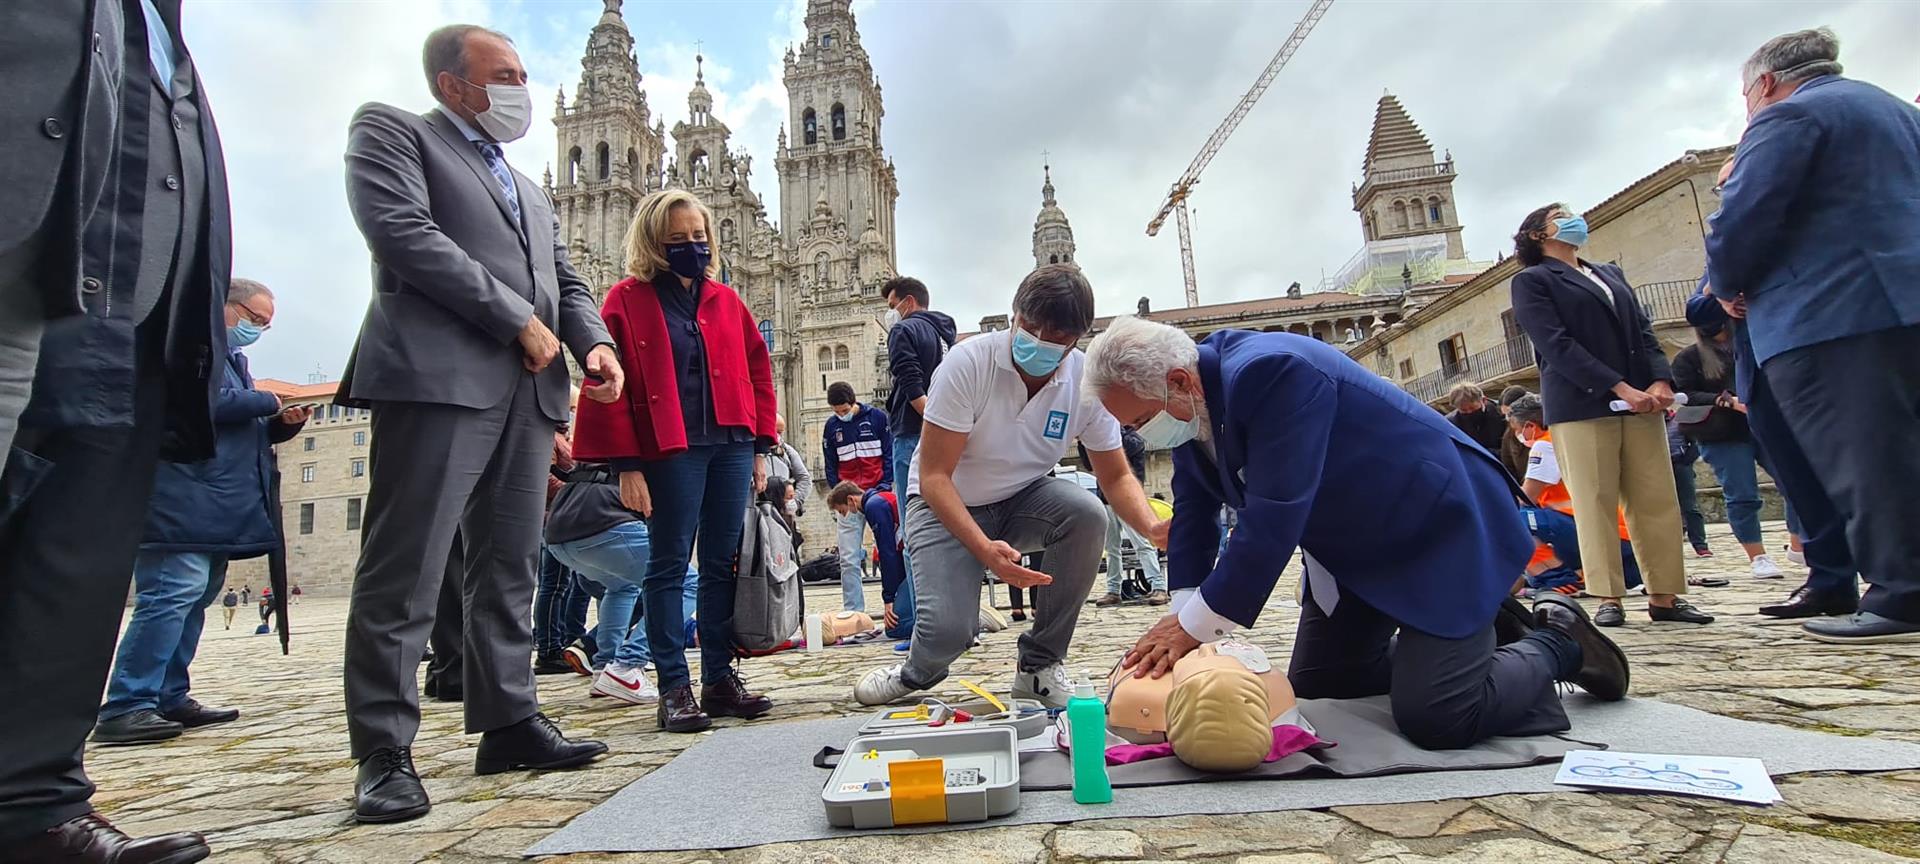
(1816, 234)
(1407, 526)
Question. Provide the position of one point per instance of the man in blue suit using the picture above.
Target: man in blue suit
(1407, 526)
(1816, 234)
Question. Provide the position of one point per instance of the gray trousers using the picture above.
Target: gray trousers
(21, 322)
(1051, 515)
(435, 470)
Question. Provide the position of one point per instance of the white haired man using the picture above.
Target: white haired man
(1418, 533)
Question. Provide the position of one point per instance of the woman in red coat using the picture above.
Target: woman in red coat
(691, 432)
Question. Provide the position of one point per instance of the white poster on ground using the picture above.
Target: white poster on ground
(1733, 778)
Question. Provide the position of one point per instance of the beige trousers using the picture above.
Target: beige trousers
(1608, 462)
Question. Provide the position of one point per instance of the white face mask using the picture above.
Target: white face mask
(793, 506)
(1165, 431)
(509, 111)
(893, 317)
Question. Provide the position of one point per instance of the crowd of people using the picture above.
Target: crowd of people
(501, 501)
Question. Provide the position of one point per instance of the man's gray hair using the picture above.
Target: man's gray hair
(241, 290)
(446, 51)
(1465, 393)
(1795, 56)
(1137, 354)
(1527, 409)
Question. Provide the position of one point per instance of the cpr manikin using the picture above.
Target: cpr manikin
(836, 626)
(1217, 708)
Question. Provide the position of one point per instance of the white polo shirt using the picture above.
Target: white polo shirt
(1011, 440)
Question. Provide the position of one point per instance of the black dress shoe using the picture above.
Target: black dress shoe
(534, 743)
(145, 726)
(730, 698)
(441, 691)
(194, 715)
(1603, 666)
(552, 664)
(387, 789)
(1610, 615)
(1803, 603)
(93, 840)
(679, 712)
(1511, 622)
(1681, 611)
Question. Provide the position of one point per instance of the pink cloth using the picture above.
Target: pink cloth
(1287, 740)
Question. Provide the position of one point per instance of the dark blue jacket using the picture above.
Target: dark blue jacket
(220, 505)
(1704, 310)
(915, 347)
(1315, 452)
(859, 449)
(1583, 344)
(1817, 224)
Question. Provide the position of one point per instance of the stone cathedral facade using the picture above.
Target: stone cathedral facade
(812, 272)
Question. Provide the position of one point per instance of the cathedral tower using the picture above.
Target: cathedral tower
(609, 156)
(834, 154)
(1052, 236)
(1404, 192)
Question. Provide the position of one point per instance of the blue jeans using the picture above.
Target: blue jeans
(702, 491)
(173, 590)
(1733, 463)
(559, 606)
(1556, 529)
(617, 559)
(903, 605)
(851, 539)
(1683, 483)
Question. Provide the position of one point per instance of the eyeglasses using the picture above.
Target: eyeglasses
(258, 319)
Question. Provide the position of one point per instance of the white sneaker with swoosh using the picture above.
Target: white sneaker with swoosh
(625, 683)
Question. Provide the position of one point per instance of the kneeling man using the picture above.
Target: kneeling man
(1302, 442)
(1003, 409)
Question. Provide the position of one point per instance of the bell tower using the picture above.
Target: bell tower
(1052, 236)
(835, 113)
(1404, 190)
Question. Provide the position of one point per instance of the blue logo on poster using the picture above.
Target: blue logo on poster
(1056, 425)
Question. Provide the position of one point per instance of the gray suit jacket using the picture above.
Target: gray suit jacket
(454, 278)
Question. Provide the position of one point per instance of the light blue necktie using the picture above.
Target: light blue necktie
(159, 45)
(497, 163)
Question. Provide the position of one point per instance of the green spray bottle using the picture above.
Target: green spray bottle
(1087, 731)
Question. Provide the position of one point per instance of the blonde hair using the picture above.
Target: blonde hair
(647, 236)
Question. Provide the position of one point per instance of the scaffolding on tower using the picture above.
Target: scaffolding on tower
(1176, 203)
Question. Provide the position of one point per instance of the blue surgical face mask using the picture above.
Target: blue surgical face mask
(690, 259)
(1035, 357)
(1165, 431)
(1571, 230)
(244, 333)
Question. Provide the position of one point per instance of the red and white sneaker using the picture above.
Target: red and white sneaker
(625, 683)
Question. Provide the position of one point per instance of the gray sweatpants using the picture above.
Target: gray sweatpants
(1052, 515)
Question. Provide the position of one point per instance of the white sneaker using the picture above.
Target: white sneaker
(1764, 568)
(626, 684)
(882, 686)
(1797, 557)
(1049, 686)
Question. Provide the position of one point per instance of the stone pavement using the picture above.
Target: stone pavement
(276, 786)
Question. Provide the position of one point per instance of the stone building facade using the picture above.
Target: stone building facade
(813, 277)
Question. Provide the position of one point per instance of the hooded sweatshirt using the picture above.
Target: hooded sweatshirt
(915, 347)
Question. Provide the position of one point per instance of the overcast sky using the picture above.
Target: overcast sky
(1538, 102)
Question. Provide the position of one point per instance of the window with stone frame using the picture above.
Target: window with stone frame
(306, 518)
(353, 514)
(1453, 354)
(306, 473)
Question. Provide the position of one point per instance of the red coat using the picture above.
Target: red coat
(645, 423)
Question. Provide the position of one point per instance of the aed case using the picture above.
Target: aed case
(922, 778)
(1028, 718)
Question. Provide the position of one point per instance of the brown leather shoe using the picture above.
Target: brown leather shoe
(730, 698)
(680, 713)
(93, 839)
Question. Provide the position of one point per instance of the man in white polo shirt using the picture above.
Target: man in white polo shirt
(1003, 410)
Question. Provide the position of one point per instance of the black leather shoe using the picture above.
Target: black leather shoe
(1603, 666)
(1610, 615)
(194, 715)
(91, 839)
(440, 691)
(1803, 603)
(145, 726)
(1681, 611)
(679, 712)
(535, 743)
(730, 698)
(551, 664)
(1511, 622)
(387, 789)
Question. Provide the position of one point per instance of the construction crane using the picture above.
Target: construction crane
(1176, 202)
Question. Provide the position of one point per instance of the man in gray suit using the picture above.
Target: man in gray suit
(456, 358)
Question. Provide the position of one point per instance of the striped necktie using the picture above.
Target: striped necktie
(497, 163)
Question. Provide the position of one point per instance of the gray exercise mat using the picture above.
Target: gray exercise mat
(1368, 746)
(771, 791)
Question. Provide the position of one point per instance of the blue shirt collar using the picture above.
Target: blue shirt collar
(465, 128)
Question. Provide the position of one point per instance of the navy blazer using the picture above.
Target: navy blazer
(1400, 508)
(223, 505)
(1703, 310)
(1583, 344)
(1817, 224)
